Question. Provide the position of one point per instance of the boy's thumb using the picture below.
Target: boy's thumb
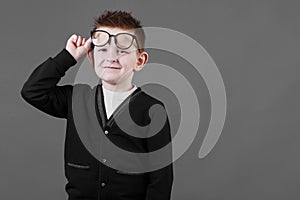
(88, 43)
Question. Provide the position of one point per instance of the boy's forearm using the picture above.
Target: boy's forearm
(45, 78)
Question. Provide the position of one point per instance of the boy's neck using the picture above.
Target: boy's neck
(117, 88)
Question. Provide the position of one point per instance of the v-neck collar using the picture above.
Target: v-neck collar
(101, 110)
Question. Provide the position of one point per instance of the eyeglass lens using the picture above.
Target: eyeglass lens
(122, 40)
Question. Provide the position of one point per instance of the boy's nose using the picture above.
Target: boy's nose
(112, 51)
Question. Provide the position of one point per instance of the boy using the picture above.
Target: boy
(116, 51)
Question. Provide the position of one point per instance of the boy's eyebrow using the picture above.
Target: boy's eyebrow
(123, 31)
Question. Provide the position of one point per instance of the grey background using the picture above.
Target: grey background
(255, 45)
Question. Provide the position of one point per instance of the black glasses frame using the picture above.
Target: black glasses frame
(110, 36)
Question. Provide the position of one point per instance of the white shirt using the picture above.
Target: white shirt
(113, 99)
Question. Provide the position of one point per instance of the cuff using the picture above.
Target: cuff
(65, 60)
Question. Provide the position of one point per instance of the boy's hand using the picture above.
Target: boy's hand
(78, 46)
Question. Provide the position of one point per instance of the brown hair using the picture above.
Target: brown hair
(123, 20)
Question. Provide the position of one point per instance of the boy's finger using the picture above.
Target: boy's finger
(88, 43)
(83, 41)
(73, 38)
(78, 41)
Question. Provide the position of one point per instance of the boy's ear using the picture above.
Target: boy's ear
(91, 57)
(141, 61)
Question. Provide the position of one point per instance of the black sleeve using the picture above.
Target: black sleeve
(161, 180)
(41, 89)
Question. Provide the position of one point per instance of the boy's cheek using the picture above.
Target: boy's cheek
(97, 57)
(98, 60)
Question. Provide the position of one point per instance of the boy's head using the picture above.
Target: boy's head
(117, 49)
(123, 20)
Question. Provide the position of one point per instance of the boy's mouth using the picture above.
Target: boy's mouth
(111, 67)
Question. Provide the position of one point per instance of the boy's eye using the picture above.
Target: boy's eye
(102, 49)
(123, 51)
(119, 51)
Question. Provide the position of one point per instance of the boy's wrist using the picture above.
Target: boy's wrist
(71, 54)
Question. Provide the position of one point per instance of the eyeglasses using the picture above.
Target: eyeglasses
(122, 40)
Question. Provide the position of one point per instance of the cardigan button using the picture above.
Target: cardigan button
(106, 132)
(103, 184)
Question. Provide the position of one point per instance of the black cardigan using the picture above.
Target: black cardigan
(88, 178)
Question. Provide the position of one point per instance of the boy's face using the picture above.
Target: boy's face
(113, 65)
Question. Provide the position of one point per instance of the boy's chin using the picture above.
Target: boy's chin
(109, 82)
(109, 78)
